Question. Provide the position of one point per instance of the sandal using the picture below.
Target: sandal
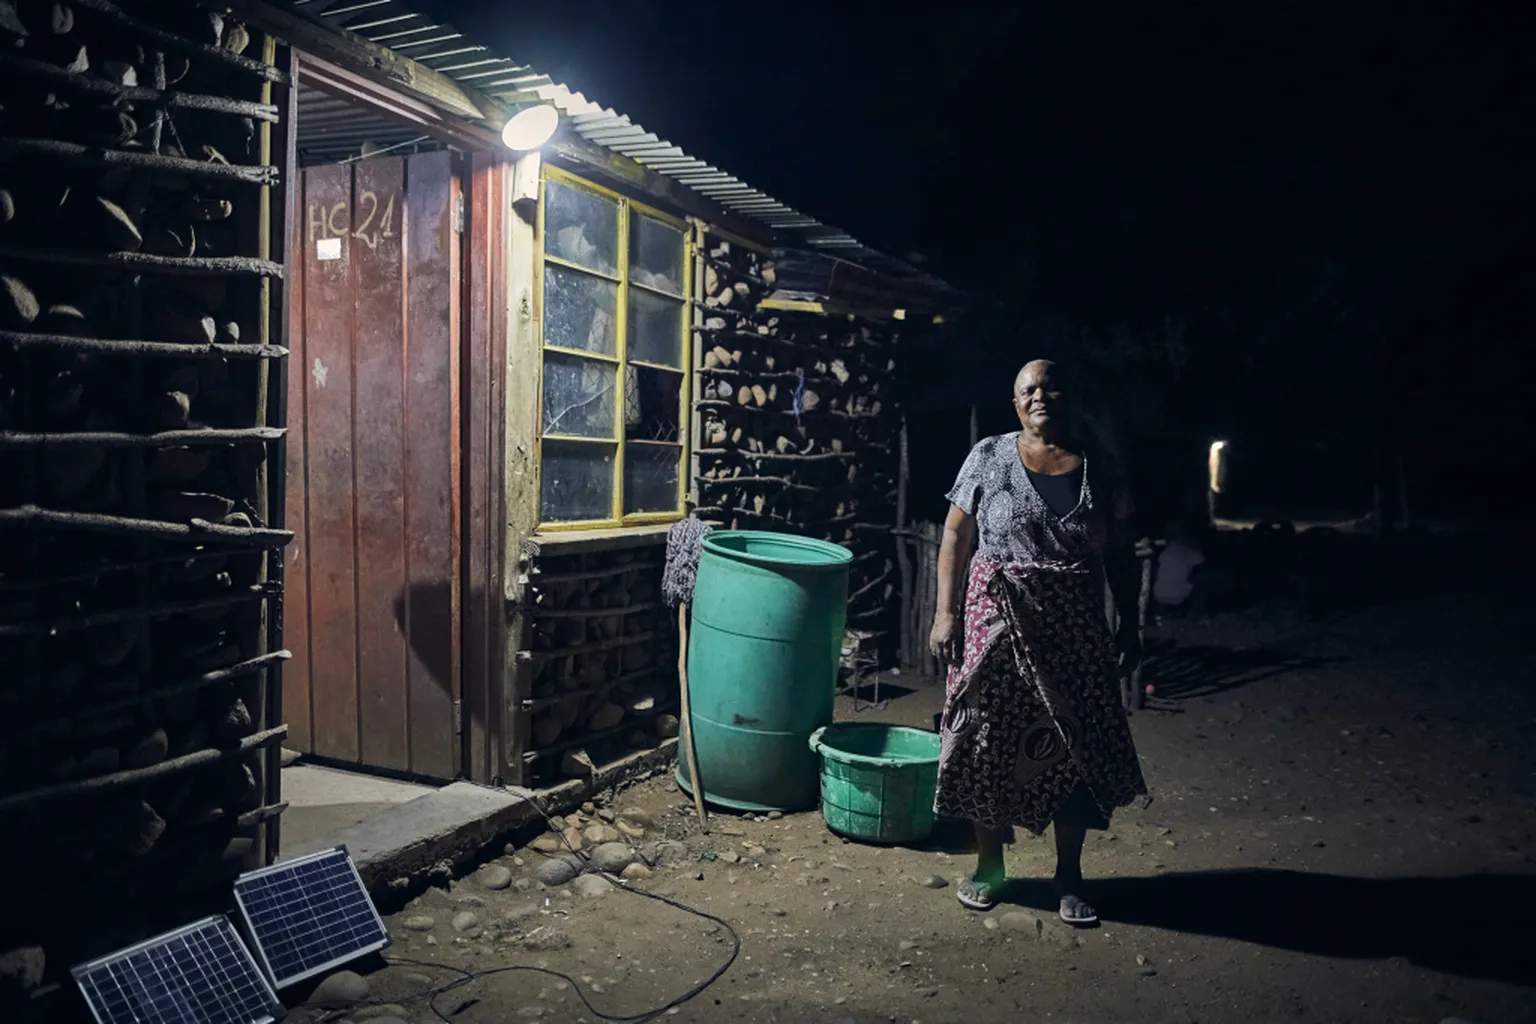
(976, 894)
(1077, 913)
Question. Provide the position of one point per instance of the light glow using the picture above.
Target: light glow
(530, 128)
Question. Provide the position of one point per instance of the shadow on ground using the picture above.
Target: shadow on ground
(1458, 925)
(1188, 671)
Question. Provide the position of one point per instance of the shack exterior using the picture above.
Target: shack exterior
(272, 283)
(474, 581)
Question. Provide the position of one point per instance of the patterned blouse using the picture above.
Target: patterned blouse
(1014, 524)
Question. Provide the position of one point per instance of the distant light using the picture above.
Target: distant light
(1216, 466)
(901, 314)
(530, 128)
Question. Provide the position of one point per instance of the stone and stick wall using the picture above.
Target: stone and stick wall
(798, 424)
(137, 432)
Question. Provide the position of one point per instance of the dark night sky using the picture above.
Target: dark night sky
(1018, 139)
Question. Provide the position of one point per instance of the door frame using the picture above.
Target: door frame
(481, 174)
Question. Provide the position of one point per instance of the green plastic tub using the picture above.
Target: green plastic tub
(877, 781)
(763, 649)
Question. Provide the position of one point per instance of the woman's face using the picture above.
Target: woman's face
(1036, 397)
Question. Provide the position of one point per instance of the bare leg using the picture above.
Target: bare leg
(980, 891)
(989, 855)
(1069, 872)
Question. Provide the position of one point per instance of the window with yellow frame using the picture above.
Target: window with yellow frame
(614, 282)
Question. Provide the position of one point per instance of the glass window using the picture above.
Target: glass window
(615, 321)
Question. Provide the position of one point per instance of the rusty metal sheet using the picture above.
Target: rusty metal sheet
(374, 489)
(330, 520)
(381, 477)
(432, 462)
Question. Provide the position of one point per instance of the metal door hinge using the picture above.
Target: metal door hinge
(458, 718)
(458, 214)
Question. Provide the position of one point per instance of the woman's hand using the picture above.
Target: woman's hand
(944, 639)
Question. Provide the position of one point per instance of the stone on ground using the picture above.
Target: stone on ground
(635, 872)
(382, 1013)
(547, 844)
(559, 870)
(598, 834)
(344, 988)
(592, 885)
(419, 923)
(466, 920)
(612, 857)
(494, 876)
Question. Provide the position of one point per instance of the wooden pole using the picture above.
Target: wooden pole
(909, 631)
(688, 749)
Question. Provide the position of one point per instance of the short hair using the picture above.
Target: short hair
(1018, 378)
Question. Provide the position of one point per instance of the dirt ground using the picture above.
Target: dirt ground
(1341, 830)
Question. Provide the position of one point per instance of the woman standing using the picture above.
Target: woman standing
(1034, 732)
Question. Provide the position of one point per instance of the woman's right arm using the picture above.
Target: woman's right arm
(954, 555)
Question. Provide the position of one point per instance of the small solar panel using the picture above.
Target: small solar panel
(309, 915)
(200, 974)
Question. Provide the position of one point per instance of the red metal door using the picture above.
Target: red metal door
(372, 609)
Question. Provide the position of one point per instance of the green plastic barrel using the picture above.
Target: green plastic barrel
(763, 649)
(878, 781)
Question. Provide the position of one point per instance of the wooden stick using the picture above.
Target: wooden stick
(146, 263)
(109, 783)
(602, 645)
(207, 679)
(65, 79)
(154, 611)
(687, 716)
(73, 154)
(164, 439)
(120, 19)
(197, 529)
(119, 347)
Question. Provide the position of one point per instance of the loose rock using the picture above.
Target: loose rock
(612, 858)
(638, 816)
(344, 988)
(559, 870)
(382, 1013)
(572, 837)
(547, 844)
(592, 885)
(598, 834)
(934, 882)
(495, 877)
(635, 872)
(419, 923)
(21, 970)
(465, 920)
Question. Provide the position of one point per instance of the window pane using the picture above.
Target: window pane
(575, 482)
(656, 255)
(653, 402)
(578, 396)
(650, 477)
(580, 311)
(655, 328)
(581, 227)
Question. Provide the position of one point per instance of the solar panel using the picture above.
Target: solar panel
(200, 974)
(309, 915)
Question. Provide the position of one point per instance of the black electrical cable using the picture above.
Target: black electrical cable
(470, 977)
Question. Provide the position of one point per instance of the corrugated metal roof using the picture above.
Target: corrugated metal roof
(393, 24)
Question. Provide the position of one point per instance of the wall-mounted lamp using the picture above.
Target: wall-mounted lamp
(530, 128)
